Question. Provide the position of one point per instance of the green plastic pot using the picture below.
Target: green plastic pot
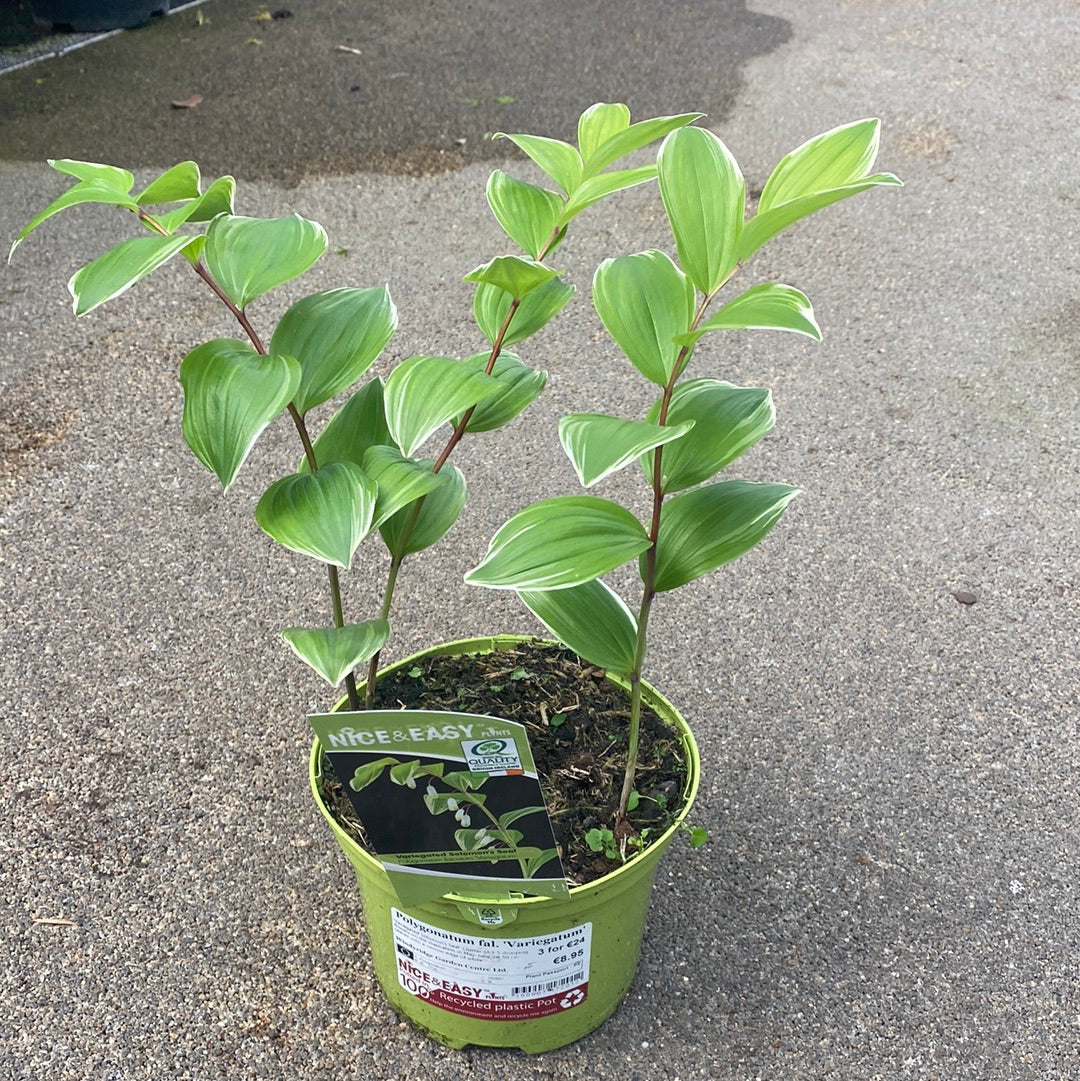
(437, 962)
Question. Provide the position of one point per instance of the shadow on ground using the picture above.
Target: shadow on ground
(331, 88)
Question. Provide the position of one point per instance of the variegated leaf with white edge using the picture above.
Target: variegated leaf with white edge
(729, 420)
(526, 212)
(704, 195)
(400, 481)
(250, 256)
(591, 619)
(118, 269)
(705, 528)
(231, 393)
(645, 301)
(598, 445)
(324, 515)
(768, 306)
(824, 170)
(406, 533)
(519, 387)
(336, 336)
(491, 305)
(423, 393)
(560, 542)
(333, 652)
(359, 424)
(513, 274)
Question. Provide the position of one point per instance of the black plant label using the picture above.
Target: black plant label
(450, 802)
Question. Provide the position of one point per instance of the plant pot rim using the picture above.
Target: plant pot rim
(489, 644)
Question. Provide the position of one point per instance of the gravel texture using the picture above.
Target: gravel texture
(890, 774)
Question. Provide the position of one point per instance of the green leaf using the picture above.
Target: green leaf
(590, 619)
(763, 227)
(336, 337)
(535, 862)
(598, 124)
(250, 256)
(599, 445)
(97, 184)
(405, 773)
(558, 543)
(423, 393)
(645, 302)
(527, 213)
(467, 781)
(193, 252)
(704, 195)
(120, 180)
(536, 310)
(833, 159)
(80, 194)
(832, 166)
(359, 424)
(324, 515)
(440, 510)
(477, 840)
(602, 840)
(119, 269)
(729, 420)
(180, 182)
(519, 387)
(517, 276)
(511, 817)
(559, 160)
(400, 481)
(438, 803)
(597, 187)
(171, 220)
(335, 651)
(634, 137)
(769, 306)
(369, 773)
(217, 199)
(231, 394)
(707, 527)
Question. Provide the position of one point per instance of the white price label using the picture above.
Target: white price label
(496, 979)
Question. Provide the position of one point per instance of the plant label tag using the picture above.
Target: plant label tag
(450, 802)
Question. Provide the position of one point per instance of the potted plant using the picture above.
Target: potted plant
(521, 959)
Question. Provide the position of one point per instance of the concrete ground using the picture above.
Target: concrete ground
(890, 891)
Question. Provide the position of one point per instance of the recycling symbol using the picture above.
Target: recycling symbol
(572, 998)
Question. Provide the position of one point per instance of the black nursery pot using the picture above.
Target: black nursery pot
(87, 15)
